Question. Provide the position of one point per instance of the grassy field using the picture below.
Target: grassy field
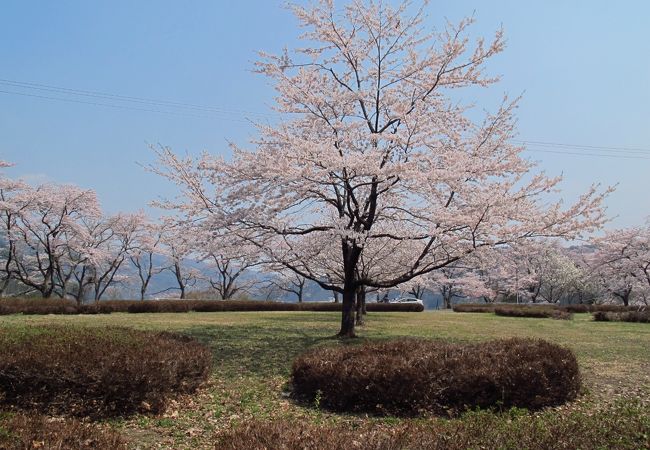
(253, 354)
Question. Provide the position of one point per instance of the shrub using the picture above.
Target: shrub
(393, 307)
(537, 311)
(474, 308)
(21, 431)
(97, 372)
(621, 426)
(160, 306)
(60, 306)
(582, 308)
(37, 306)
(579, 308)
(165, 306)
(410, 377)
(627, 316)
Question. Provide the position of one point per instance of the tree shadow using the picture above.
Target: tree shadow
(240, 350)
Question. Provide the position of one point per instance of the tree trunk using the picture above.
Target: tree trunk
(347, 315)
(360, 304)
(351, 254)
(446, 297)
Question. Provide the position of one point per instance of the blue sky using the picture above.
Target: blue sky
(583, 67)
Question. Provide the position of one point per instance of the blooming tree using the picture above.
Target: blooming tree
(179, 248)
(287, 281)
(48, 222)
(621, 264)
(107, 262)
(373, 152)
(10, 211)
(146, 245)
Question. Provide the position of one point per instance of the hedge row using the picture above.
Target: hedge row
(532, 311)
(577, 308)
(413, 376)
(31, 431)
(474, 307)
(581, 308)
(629, 316)
(97, 372)
(60, 306)
(622, 426)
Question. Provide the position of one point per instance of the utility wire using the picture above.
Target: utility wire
(586, 154)
(229, 114)
(132, 108)
(586, 147)
(124, 98)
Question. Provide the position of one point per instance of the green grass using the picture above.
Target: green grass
(253, 353)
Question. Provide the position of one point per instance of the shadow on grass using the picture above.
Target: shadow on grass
(241, 350)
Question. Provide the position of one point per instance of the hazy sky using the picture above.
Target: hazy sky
(583, 67)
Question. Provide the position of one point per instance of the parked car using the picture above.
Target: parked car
(406, 300)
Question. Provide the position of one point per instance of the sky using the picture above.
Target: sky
(583, 68)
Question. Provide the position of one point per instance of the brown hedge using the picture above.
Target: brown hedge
(622, 426)
(411, 377)
(97, 372)
(532, 311)
(37, 306)
(627, 316)
(60, 306)
(31, 431)
(253, 305)
(474, 307)
(582, 308)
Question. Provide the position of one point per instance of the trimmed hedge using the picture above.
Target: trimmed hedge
(37, 306)
(23, 431)
(162, 306)
(474, 307)
(97, 372)
(577, 308)
(533, 311)
(622, 426)
(60, 306)
(410, 377)
(628, 316)
(582, 308)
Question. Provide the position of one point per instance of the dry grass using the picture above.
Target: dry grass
(409, 377)
(97, 372)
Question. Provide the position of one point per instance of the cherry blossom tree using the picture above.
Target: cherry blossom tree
(229, 262)
(146, 246)
(621, 264)
(287, 281)
(10, 210)
(373, 152)
(180, 249)
(48, 222)
(106, 264)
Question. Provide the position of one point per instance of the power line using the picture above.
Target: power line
(203, 111)
(132, 108)
(587, 154)
(587, 147)
(129, 99)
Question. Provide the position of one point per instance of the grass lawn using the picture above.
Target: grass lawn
(253, 354)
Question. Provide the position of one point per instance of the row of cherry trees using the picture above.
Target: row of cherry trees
(610, 269)
(56, 241)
